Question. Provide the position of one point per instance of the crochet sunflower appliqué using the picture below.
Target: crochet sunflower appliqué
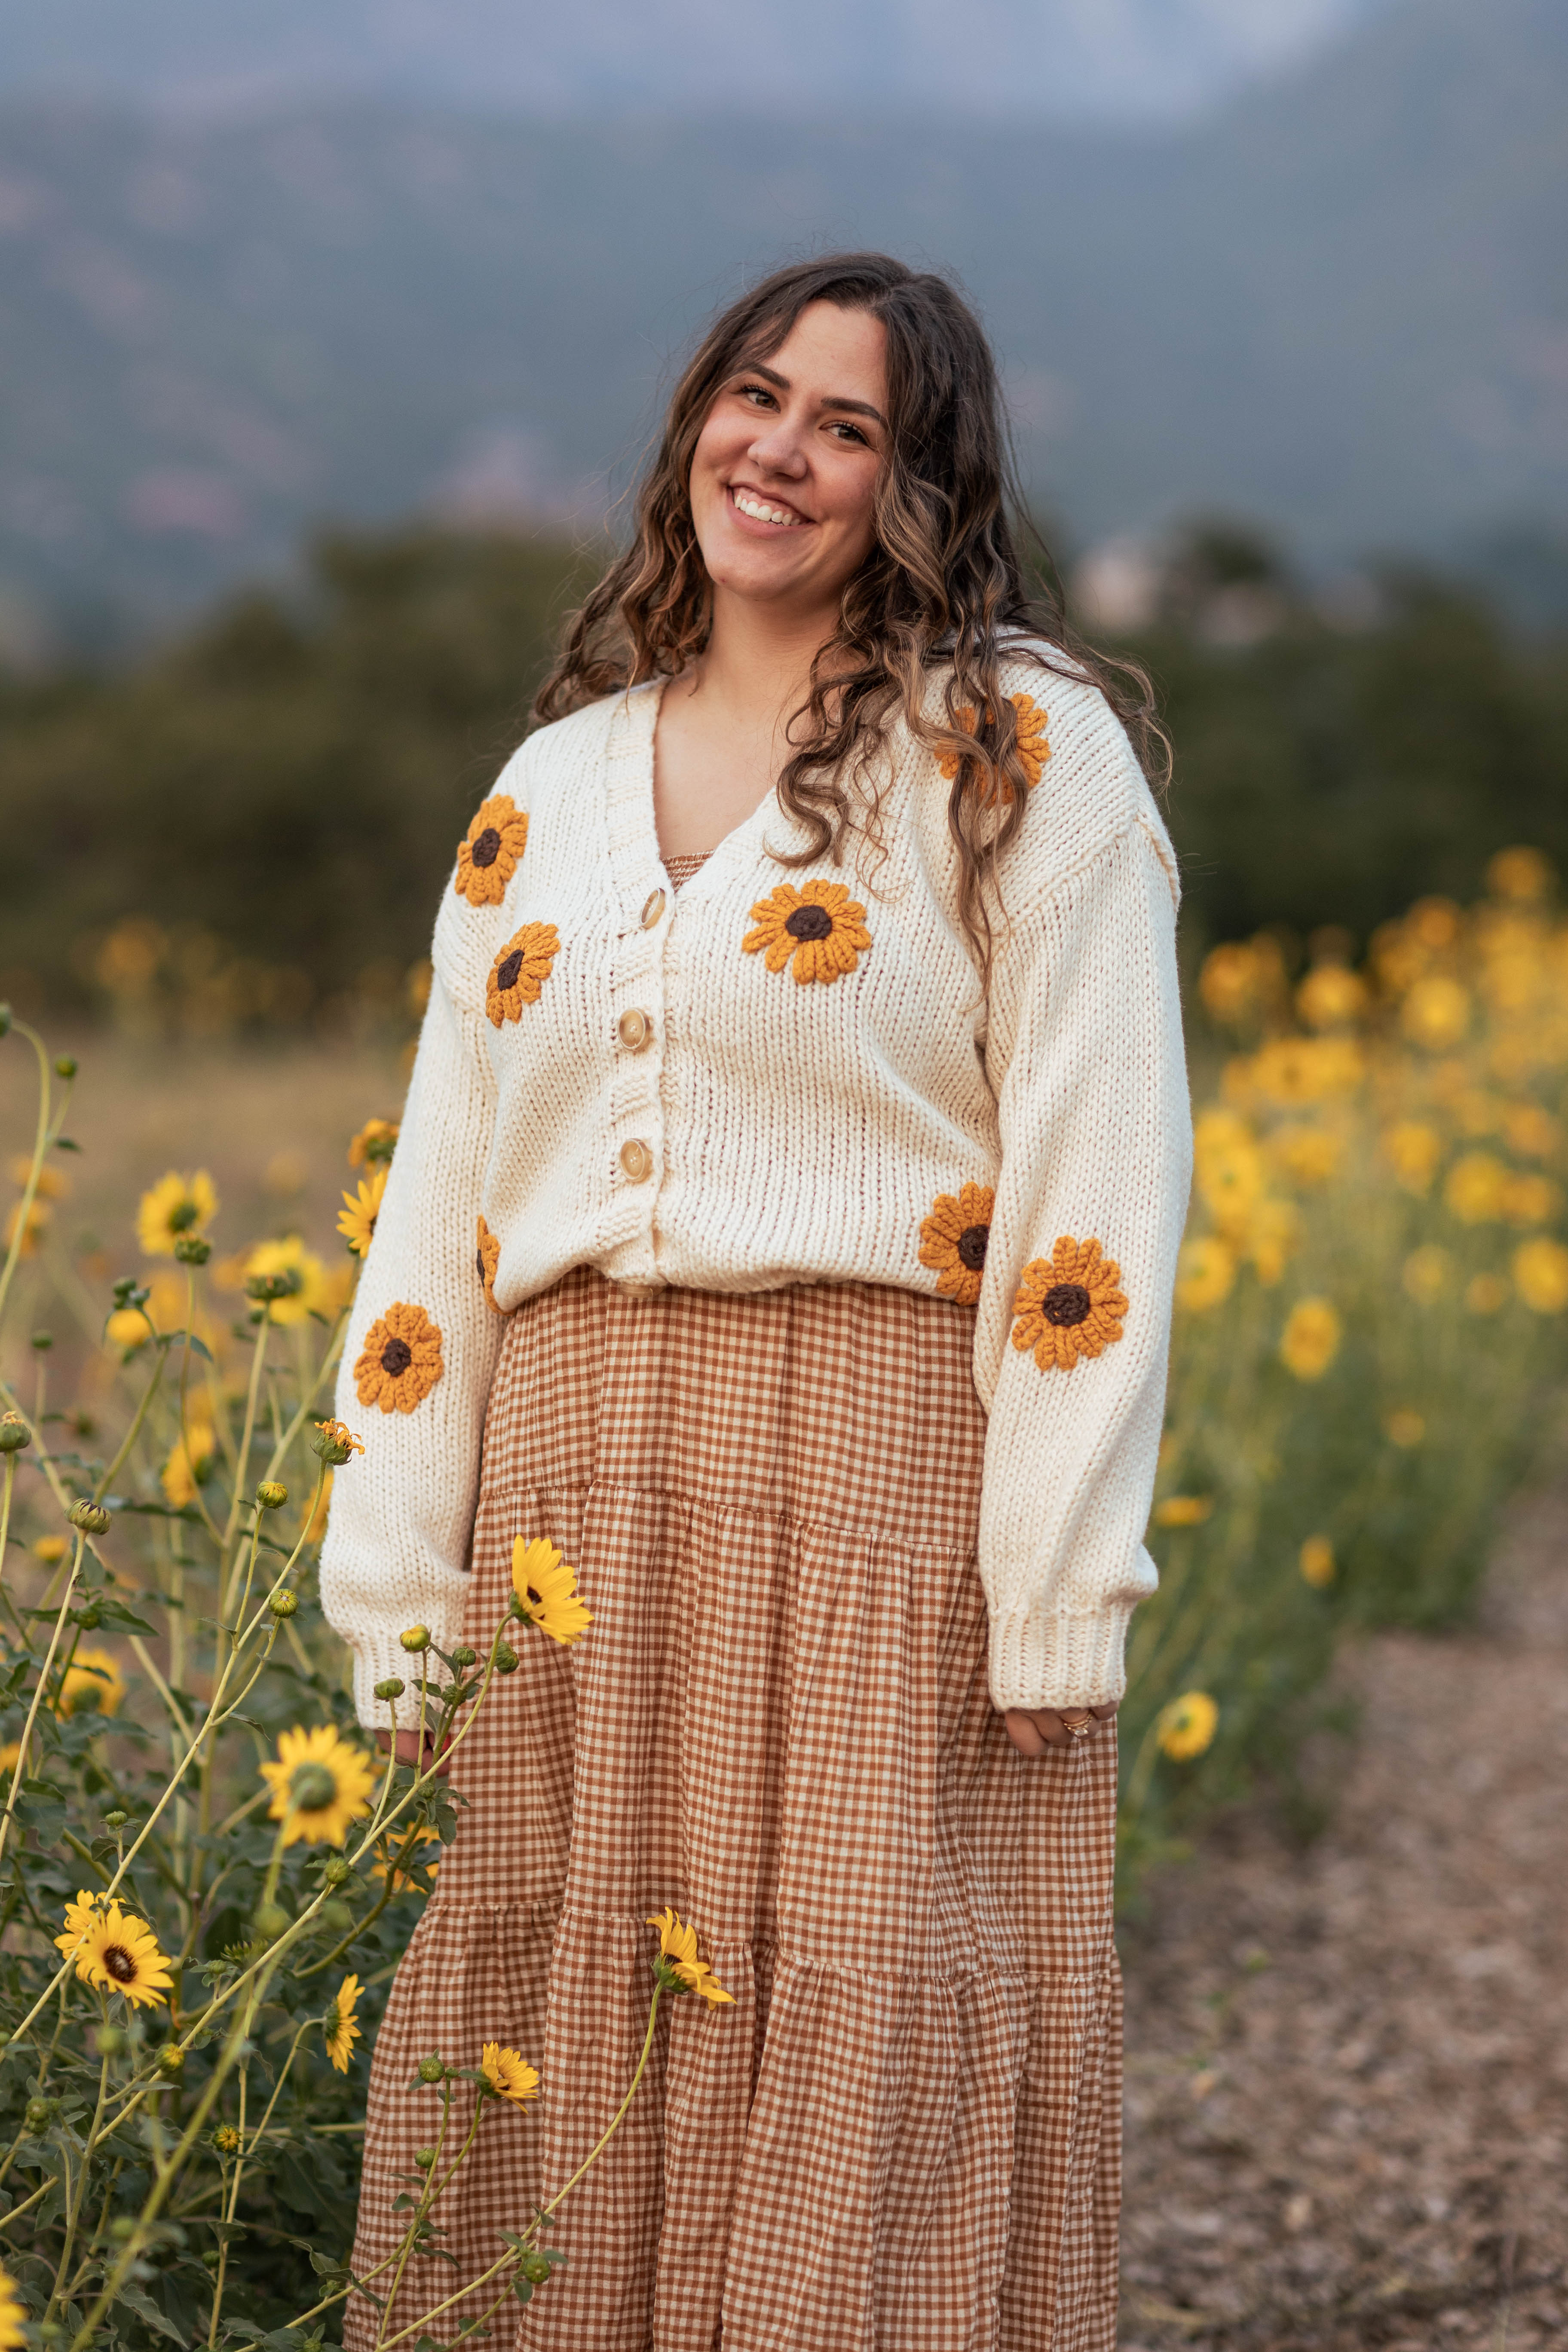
(488, 852)
(819, 926)
(1068, 1305)
(400, 1362)
(953, 1238)
(521, 971)
(487, 1258)
(1033, 749)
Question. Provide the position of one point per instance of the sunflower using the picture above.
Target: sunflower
(31, 1226)
(9, 1755)
(374, 1144)
(819, 925)
(1068, 1305)
(341, 2031)
(1316, 1562)
(177, 1207)
(1206, 1274)
(1541, 1275)
(1186, 1728)
(127, 1329)
(92, 1679)
(320, 1785)
(953, 1237)
(356, 1218)
(50, 1184)
(50, 1549)
(269, 1260)
(1415, 1152)
(396, 1838)
(521, 971)
(13, 2316)
(1184, 1510)
(488, 852)
(682, 1971)
(115, 1952)
(1312, 1339)
(189, 1466)
(1032, 749)
(488, 1257)
(400, 1362)
(509, 2073)
(546, 1589)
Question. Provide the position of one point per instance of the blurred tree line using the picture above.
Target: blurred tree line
(252, 824)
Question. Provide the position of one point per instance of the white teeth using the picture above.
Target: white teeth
(764, 514)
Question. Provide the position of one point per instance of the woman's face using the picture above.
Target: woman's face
(786, 467)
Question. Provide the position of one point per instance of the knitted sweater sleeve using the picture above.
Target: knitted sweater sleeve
(396, 1549)
(1086, 1054)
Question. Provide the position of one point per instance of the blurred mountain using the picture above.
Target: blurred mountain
(1055, 56)
(1337, 306)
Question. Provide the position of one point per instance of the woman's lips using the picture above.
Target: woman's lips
(756, 508)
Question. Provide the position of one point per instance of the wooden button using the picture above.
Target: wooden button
(637, 1161)
(634, 1029)
(653, 908)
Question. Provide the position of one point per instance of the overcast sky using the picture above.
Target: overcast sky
(1077, 57)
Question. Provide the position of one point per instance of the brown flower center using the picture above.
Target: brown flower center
(484, 1272)
(971, 1246)
(120, 1963)
(506, 974)
(809, 922)
(485, 848)
(1066, 1302)
(397, 1355)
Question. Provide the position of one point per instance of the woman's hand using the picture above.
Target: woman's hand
(412, 1750)
(1033, 1729)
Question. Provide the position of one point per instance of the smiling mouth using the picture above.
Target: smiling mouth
(757, 509)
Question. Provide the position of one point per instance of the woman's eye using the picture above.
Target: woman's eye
(755, 392)
(854, 434)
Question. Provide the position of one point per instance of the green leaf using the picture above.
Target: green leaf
(137, 2299)
(66, 1143)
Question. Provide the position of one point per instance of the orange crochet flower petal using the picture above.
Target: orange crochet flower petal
(953, 1238)
(400, 1362)
(1031, 748)
(1069, 1306)
(521, 971)
(488, 853)
(818, 929)
(489, 1259)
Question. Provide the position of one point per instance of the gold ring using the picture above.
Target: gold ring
(1082, 1728)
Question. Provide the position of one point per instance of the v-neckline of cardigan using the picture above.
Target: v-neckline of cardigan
(725, 852)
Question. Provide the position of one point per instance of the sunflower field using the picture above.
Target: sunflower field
(208, 1868)
(207, 1872)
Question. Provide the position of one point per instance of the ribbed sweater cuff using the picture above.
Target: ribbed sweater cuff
(1041, 1659)
(380, 1657)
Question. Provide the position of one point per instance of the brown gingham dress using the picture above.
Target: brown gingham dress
(904, 2135)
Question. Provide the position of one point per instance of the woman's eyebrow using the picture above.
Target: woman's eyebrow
(828, 400)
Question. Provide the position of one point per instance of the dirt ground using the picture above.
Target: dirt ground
(1347, 2113)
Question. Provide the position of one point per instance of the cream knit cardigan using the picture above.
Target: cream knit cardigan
(638, 1091)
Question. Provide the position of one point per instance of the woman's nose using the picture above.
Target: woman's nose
(780, 449)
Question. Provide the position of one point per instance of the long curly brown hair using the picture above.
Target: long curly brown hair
(943, 588)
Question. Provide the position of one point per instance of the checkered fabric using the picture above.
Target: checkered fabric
(905, 2132)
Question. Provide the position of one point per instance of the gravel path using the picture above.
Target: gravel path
(1347, 2113)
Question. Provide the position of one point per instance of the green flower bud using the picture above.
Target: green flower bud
(43, 1341)
(465, 1657)
(90, 1517)
(536, 2267)
(336, 1917)
(336, 1872)
(123, 2229)
(424, 2157)
(283, 1602)
(38, 2114)
(270, 1496)
(311, 1787)
(14, 1433)
(66, 1066)
(111, 2040)
(417, 1638)
(433, 2069)
(116, 1820)
(171, 2059)
(270, 1920)
(191, 1249)
(266, 1288)
(334, 1442)
(506, 1661)
(391, 1686)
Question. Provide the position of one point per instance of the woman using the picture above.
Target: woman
(784, 1225)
